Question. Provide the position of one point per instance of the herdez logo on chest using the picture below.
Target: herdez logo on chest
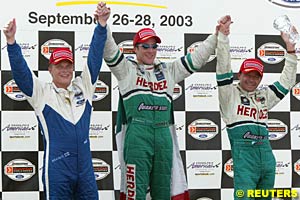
(154, 86)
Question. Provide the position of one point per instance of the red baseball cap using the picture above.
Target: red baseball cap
(60, 54)
(252, 64)
(145, 34)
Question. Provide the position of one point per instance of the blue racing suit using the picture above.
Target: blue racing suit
(64, 118)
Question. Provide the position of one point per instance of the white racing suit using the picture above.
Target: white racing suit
(148, 151)
(246, 116)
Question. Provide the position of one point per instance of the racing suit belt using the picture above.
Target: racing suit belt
(243, 142)
(147, 122)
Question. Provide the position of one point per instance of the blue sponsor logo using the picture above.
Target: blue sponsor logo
(83, 47)
(203, 136)
(159, 75)
(19, 176)
(271, 59)
(19, 96)
(292, 1)
(286, 3)
(130, 57)
(80, 102)
(272, 136)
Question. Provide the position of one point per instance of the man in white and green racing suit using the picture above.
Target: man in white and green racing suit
(146, 87)
(244, 109)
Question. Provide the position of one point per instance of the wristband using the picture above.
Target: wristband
(294, 51)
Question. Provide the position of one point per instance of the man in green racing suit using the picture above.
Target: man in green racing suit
(244, 109)
(146, 87)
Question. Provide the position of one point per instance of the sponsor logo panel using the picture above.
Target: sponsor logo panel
(101, 168)
(271, 53)
(19, 169)
(203, 129)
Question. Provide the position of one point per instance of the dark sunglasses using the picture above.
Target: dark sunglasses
(147, 46)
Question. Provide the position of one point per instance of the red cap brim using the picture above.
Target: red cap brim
(61, 59)
(251, 70)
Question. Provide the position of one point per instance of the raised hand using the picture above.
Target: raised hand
(224, 24)
(290, 46)
(9, 31)
(102, 13)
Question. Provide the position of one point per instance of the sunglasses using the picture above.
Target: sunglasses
(147, 46)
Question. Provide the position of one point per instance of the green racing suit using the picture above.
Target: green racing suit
(146, 95)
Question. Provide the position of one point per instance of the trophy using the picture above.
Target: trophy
(283, 23)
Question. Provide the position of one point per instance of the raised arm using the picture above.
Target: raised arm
(288, 75)
(224, 72)
(95, 55)
(223, 54)
(20, 70)
(113, 57)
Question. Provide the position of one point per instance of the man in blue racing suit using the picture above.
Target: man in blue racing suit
(63, 109)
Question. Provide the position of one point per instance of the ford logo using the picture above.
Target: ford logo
(203, 136)
(272, 136)
(286, 3)
(19, 96)
(19, 176)
(292, 1)
(271, 59)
